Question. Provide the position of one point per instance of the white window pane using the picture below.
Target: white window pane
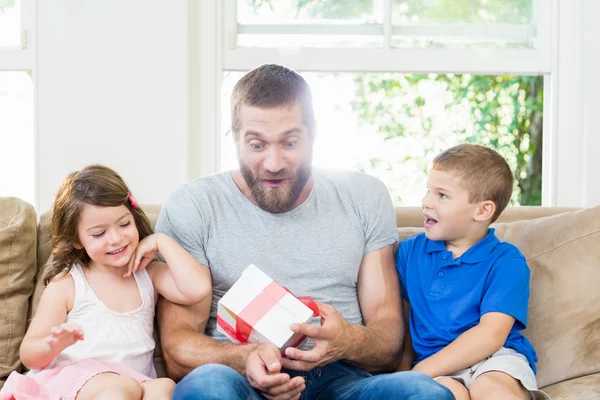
(265, 11)
(10, 23)
(17, 176)
(462, 11)
(392, 125)
(463, 23)
(313, 23)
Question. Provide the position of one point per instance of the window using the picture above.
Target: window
(17, 131)
(397, 81)
(10, 23)
(16, 136)
(399, 23)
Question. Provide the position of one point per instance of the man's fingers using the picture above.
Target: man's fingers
(265, 382)
(312, 356)
(297, 365)
(290, 395)
(270, 357)
(290, 389)
(313, 331)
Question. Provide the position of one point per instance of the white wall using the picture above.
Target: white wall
(591, 101)
(117, 84)
(113, 89)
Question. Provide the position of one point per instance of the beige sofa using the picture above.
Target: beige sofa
(562, 247)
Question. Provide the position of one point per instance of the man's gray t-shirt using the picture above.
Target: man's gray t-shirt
(314, 250)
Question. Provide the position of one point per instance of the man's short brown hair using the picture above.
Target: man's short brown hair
(270, 86)
(483, 172)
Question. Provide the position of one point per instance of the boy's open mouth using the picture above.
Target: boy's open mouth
(429, 222)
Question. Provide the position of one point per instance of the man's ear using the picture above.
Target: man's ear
(485, 210)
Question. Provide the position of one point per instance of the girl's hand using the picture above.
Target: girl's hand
(145, 252)
(63, 336)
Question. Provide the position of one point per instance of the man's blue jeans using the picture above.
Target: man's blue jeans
(334, 381)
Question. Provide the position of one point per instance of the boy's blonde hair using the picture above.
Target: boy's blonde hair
(483, 172)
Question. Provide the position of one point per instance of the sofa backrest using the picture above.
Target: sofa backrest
(17, 269)
(562, 247)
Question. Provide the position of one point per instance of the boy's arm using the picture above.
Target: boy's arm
(471, 347)
(408, 354)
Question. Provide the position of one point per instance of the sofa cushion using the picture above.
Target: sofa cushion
(586, 387)
(563, 253)
(17, 271)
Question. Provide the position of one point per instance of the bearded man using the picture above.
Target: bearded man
(324, 234)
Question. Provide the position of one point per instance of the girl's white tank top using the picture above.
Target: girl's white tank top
(108, 335)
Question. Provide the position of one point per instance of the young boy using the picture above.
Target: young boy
(466, 292)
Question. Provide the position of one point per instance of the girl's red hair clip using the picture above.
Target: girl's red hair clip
(133, 203)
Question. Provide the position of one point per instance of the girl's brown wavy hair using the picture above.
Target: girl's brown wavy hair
(94, 185)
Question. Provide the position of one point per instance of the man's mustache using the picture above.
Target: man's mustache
(273, 177)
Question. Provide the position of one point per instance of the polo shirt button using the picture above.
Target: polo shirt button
(440, 274)
(445, 256)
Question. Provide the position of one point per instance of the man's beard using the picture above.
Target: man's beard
(281, 199)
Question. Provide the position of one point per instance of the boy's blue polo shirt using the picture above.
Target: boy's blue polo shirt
(448, 296)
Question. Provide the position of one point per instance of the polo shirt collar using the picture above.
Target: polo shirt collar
(477, 253)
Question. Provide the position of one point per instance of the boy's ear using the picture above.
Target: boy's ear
(485, 211)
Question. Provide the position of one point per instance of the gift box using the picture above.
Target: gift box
(258, 310)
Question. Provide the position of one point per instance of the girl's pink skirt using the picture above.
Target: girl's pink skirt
(61, 383)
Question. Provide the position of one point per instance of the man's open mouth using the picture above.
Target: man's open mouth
(274, 182)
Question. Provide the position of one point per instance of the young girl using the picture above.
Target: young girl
(91, 337)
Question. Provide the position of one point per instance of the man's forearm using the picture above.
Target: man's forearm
(185, 350)
(377, 347)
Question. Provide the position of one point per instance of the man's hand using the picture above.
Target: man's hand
(263, 369)
(331, 341)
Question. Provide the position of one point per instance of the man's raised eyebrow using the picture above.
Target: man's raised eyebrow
(281, 135)
(253, 133)
(290, 132)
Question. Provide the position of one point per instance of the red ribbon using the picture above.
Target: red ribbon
(258, 307)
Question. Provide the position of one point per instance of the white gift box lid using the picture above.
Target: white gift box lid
(274, 325)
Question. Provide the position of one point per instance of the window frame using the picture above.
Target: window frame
(23, 58)
(215, 44)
